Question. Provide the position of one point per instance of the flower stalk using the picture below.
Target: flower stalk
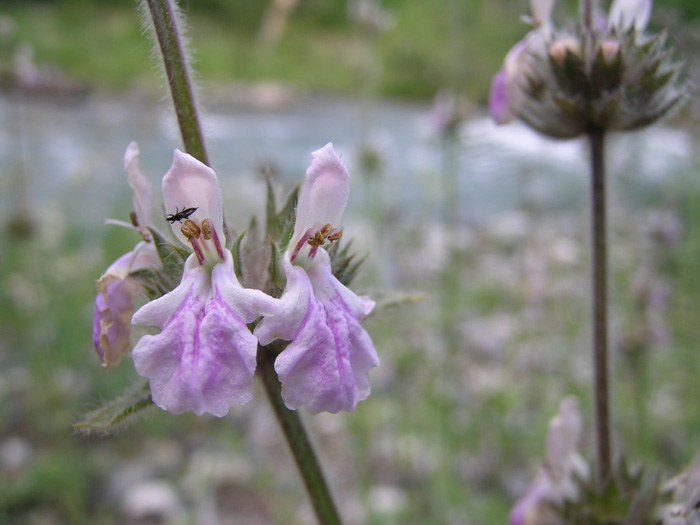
(165, 24)
(178, 76)
(297, 438)
(600, 306)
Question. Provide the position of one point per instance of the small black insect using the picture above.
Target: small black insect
(180, 215)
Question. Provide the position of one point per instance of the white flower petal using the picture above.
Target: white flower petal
(140, 188)
(542, 11)
(627, 13)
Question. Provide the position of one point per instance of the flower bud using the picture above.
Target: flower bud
(560, 48)
(610, 50)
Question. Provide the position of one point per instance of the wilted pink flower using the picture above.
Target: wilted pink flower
(326, 365)
(204, 357)
(555, 481)
(116, 290)
(684, 508)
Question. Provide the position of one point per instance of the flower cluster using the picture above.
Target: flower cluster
(605, 74)
(204, 357)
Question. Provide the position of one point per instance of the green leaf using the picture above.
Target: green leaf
(236, 252)
(152, 282)
(388, 300)
(270, 207)
(275, 277)
(281, 227)
(173, 257)
(115, 414)
(343, 264)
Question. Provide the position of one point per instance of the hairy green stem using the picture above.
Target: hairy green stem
(169, 40)
(175, 62)
(600, 307)
(298, 440)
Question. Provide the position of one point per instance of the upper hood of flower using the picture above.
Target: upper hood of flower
(627, 13)
(323, 195)
(563, 436)
(192, 184)
(542, 11)
(140, 188)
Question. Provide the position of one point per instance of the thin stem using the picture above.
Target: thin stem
(587, 29)
(175, 62)
(600, 307)
(587, 15)
(450, 186)
(298, 440)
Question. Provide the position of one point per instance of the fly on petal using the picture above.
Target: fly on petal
(204, 357)
(191, 184)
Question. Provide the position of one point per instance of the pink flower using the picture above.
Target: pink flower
(326, 365)
(204, 357)
(507, 87)
(116, 290)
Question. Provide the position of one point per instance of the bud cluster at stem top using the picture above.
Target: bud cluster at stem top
(602, 73)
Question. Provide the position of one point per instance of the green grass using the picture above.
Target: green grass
(102, 44)
(433, 44)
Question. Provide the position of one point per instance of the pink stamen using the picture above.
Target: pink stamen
(217, 243)
(304, 238)
(197, 251)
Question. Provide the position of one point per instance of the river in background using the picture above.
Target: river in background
(65, 159)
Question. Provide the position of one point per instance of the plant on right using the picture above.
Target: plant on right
(584, 78)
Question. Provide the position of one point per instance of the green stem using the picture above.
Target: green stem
(165, 24)
(600, 307)
(450, 186)
(175, 62)
(298, 440)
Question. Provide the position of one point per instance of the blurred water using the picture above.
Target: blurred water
(69, 155)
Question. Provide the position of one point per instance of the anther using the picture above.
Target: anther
(192, 228)
(209, 233)
(319, 238)
(187, 233)
(134, 219)
(206, 229)
(334, 235)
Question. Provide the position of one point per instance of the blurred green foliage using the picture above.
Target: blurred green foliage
(433, 43)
